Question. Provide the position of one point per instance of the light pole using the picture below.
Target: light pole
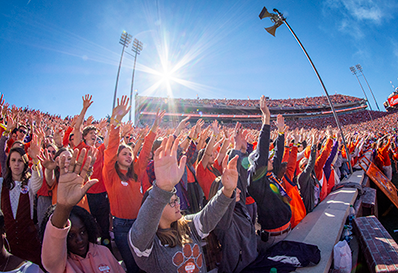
(359, 67)
(278, 19)
(125, 40)
(136, 48)
(355, 73)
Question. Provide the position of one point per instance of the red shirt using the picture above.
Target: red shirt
(97, 168)
(205, 177)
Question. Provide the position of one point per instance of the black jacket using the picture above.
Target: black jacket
(273, 211)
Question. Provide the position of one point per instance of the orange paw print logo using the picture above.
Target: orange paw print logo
(190, 260)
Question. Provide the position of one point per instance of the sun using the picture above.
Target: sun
(166, 77)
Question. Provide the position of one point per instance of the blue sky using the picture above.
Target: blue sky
(54, 52)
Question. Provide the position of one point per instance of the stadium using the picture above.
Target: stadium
(302, 112)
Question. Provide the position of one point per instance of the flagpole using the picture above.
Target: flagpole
(283, 19)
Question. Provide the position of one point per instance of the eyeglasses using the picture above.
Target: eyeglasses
(175, 202)
(22, 131)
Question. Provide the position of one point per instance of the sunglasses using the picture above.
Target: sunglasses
(22, 131)
(175, 202)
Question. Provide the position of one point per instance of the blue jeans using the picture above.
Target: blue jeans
(121, 229)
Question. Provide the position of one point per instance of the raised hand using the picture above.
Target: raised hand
(229, 177)
(215, 127)
(225, 130)
(280, 123)
(11, 123)
(87, 101)
(101, 124)
(93, 153)
(121, 109)
(157, 121)
(167, 170)
(265, 111)
(192, 132)
(89, 120)
(58, 135)
(34, 149)
(71, 186)
(182, 125)
(47, 160)
(73, 121)
(1, 103)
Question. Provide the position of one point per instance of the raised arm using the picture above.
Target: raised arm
(279, 143)
(223, 150)
(37, 176)
(110, 153)
(144, 157)
(208, 152)
(207, 219)
(71, 190)
(168, 173)
(324, 154)
(77, 128)
(259, 157)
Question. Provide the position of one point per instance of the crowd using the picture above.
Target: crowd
(185, 198)
(272, 103)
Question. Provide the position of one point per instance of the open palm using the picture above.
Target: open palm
(168, 172)
(71, 187)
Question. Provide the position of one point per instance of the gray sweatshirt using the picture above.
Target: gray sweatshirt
(151, 256)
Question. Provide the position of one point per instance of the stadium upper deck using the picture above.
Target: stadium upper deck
(240, 110)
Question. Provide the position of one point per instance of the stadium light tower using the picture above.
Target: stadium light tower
(359, 67)
(355, 73)
(278, 19)
(125, 40)
(136, 48)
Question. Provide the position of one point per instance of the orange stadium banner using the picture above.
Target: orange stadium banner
(379, 178)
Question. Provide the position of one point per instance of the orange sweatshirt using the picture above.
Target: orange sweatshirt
(124, 196)
(296, 204)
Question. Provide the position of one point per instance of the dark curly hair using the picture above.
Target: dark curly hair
(87, 219)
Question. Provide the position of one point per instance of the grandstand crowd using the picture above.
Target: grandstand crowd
(293, 103)
(197, 197)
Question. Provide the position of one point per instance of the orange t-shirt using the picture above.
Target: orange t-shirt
(205, 177)
(124, 196)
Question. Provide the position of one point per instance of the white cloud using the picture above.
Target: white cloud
(372, 11)
(365, 10)
(351, 28)
(354, 17)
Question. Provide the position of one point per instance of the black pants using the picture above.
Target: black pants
(99, 208)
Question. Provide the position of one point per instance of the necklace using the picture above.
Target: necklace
(8, 259)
